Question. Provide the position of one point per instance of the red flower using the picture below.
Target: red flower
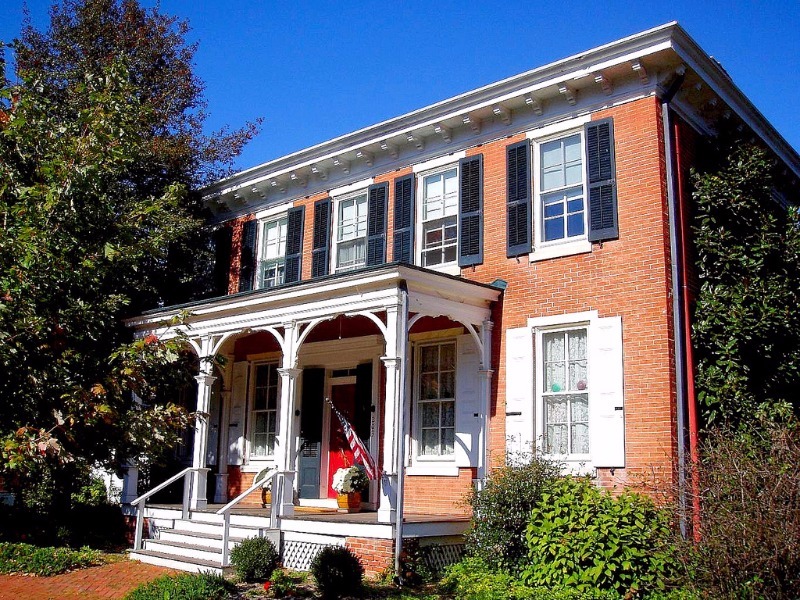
(266, 585)
(151, 339)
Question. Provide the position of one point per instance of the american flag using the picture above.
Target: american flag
(360, 452)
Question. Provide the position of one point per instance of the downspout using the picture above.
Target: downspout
(401, 428)
(694, 428)
(677, 310)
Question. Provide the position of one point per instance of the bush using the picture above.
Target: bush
(203, 586)
(338, 572)
(502, 509)
(750, 530)
(583, 538)
(254, 559)
(473, 579)
(32, 560)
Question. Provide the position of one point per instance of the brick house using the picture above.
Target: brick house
(504, 270)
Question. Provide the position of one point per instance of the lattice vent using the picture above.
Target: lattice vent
(298, 555)
(439, 556)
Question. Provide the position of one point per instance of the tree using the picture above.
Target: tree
(747, 326)
(101, 146)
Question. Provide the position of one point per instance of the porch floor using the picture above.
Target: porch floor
(331, 515)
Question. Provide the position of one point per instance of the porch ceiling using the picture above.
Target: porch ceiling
(363, 291)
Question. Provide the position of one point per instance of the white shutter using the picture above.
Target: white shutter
(519, 391)
(468, 398)
(238, 413)
(606, 394)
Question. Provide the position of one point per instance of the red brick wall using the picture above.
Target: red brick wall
(629, 277)
(376, 555)
(438, 495)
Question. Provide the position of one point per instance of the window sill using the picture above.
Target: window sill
(450, 269)
(573, 466)
(439, 470)
(559, 250)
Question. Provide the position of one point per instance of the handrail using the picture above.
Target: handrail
(247, 492)
(161, 486)
(140, 502)
(225, 511)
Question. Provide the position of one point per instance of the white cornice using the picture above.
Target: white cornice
(645, 57)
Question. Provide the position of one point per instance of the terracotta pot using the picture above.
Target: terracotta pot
(349, 503)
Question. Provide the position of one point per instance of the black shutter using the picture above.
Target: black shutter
(404, 219)
(294, 244)
(362, 416)
(377, 197)
(247, 258)
(470, 201)
(518, 200)
(602, 180)
(322, 235)
(221, 239)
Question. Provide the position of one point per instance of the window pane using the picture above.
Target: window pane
(429, 444)
(552, 160)
(448, 441)
(553, 207)
(430, 358)
(553, 229)
(579, 408)
(555, 409)
(430, 414)
(575, 225)
(574, 202)
(448, 384)
(580, 438)
(448, 356)
(572, 160)
(429, 386)
(448, 414)
(557, 439)
(576, 341)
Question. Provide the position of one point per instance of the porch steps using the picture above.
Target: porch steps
(195, 544)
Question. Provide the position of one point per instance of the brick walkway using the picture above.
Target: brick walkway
(103, 582)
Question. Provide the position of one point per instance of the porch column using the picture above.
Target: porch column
(284, 455)
(130, 483)
(395, 332)
(486, 373)
(284, 445)
(197, 500)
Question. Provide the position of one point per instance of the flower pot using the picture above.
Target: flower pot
(349, 503)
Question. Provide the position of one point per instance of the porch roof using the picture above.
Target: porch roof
(366, 290)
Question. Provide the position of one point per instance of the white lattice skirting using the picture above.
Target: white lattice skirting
(439, 556)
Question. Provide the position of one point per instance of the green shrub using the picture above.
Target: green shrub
(338, 572)
(254, 559)
(202, 586)
(32, 560)
(473, 579)
(502, 509)
(583, 538)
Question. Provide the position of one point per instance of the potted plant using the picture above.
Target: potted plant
(348, 482)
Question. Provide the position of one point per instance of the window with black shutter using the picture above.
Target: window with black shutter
(321, 240)
(247, 256)
(404, 219)
(518, 200)
(378, 196)
(294, 244)
(470, 236)
(221, 239)
(602, 185)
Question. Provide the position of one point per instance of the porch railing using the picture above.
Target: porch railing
(225, 511)
(140, 502)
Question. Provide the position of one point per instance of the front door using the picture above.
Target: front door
(343, 397)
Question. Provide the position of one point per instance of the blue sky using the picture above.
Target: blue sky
(316, 70)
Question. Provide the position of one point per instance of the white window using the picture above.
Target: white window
(264, 410)
(565, 392)
(351, 232)
(561, 196)
(439, 205)
(272, 253)
(436, 404)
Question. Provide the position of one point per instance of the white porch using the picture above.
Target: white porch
(348, 329)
